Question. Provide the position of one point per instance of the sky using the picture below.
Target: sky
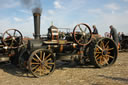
(65, 14)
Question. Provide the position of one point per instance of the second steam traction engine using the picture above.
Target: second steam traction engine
(39, 55)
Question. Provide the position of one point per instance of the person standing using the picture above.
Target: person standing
(119, 37)
(113, 34)
(95, 31)
(122, 35)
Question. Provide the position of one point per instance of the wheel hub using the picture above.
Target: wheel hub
(84, 33)
(104, 52)
(13, 38)
(42, 63)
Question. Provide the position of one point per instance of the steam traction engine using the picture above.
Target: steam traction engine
(39, 55)
(10, 43)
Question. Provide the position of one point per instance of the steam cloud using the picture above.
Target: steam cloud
(34, 5)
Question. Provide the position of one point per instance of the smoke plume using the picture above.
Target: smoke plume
(34, 5)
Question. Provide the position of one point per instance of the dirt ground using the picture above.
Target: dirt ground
(116, 74)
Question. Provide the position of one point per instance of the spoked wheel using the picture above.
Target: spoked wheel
(124, 44)
(12, 38)
(105, 53)
(82, 34)
(41, 62)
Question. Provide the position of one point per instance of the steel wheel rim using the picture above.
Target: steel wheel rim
(104, 53)
(41, 63)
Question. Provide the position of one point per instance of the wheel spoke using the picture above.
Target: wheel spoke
(9, 34)
(35, 63)
(80, 28)
(105, 60)
(12, 43)
(80, 38)
(40, 70)
(99, 52)
(46, 70)
(106, 57)
(100, 60)
(41, 55)
(99, 47)
(47, 56)
(15, 41)
(109, 49)
(48, 60)
(14, 33)
(108, 52)
(37, 57)
(49, 67)
(85, 29)
(102, 45)
(99, 57)
(85, 40)
(85, 36)
(106, 44)
(110, 56)
(35, 67)
(7, 39)
(43, 69)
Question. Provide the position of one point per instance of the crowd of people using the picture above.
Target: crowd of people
(117, 37)
(120, 36)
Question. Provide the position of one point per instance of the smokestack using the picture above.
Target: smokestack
(35, 5)
(37, 25)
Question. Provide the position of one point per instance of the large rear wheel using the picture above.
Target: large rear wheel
(104, 53)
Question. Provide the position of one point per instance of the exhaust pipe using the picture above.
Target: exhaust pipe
(37, 25)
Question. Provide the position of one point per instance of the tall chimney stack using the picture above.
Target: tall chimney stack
(37, 25)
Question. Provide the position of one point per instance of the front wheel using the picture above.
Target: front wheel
(41, 62)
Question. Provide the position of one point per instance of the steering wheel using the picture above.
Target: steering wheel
(82, 34)
(12, 38)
